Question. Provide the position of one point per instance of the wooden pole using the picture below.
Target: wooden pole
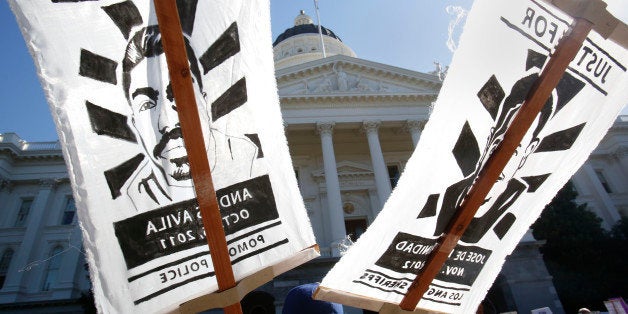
(539, 93)
(183, 90)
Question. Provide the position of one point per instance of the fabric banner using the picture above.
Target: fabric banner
(102, 66)
(504, 47)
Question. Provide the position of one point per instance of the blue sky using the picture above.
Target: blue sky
(410, 34)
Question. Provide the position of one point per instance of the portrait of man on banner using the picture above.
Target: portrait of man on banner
(159, 173)
(148, 90)
(502, 109)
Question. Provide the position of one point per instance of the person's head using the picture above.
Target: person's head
(503, 121)
(299, 301)
(147, 87)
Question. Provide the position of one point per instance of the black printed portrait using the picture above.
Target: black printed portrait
(502, 108)
(161, 170)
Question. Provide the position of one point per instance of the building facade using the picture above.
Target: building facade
(41, 261)
(602, 182)
(351, 125)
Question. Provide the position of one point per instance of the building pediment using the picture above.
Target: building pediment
(342, 76)
(346, 170)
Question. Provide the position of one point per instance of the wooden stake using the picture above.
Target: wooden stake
(565, 52)
(183, 90)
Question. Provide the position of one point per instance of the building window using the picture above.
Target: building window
(69, 212)
(603, 181)
(22, 214)
(393, 174)
(355, 227)
(54, 263)
(5, 261)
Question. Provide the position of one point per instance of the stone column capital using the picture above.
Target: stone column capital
(325, 128)
(48, 183)
(6, 184)
(371, 126)
(414, 125)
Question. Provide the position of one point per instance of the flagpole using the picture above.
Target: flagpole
(565, 52)
(183, 90)
(320, 31)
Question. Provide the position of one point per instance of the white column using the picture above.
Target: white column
(68, 270)
(376, 205)
(414, 127)
(382, 179)
(609, 213)
(6, 187)
(35, 220)
(334, 202)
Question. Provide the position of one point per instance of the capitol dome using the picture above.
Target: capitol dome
(301, 43)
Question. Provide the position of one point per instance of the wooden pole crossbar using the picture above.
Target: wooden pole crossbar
(539, 93)
(183, 90)
(604, 23)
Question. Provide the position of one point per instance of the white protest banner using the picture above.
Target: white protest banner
(103, 68)
(504, 47)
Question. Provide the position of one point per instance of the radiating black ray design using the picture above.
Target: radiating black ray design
(429, 209)
(534, 182)
(233, 98)
(98, 67)
(567, 88)
(187, 14)
(502, 110)
(255, 139)
(561, 140)
(504, 225)
(466, 151)
(227, 45)
(125, 15)
(117, 176)
(107, 122)
(535, 59)
(491, 96)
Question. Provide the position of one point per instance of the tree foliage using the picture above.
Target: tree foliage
(586, 262)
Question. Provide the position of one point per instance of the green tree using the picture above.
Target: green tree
(578, 253)
(571, 231)
(615, 257)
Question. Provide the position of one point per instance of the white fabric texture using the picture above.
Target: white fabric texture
(102, 66)
(503, 48)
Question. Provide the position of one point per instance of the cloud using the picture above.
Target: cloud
(459, 14)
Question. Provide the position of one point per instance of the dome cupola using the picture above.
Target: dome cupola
(302, 43)
(302, 19)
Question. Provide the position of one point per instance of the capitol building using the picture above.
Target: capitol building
(351, 124)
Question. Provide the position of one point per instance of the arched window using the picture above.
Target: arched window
(54, 263)
(5, 261)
